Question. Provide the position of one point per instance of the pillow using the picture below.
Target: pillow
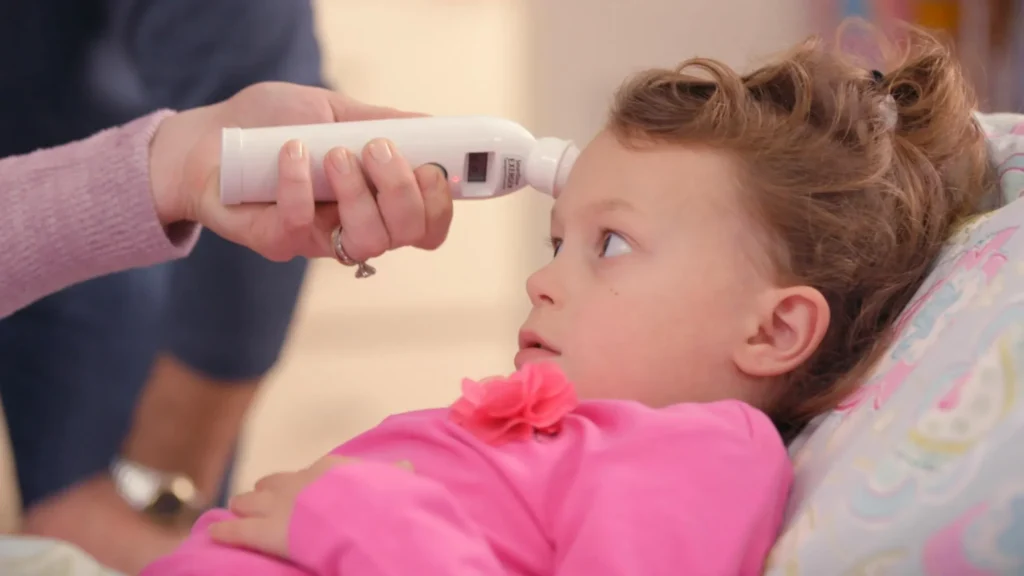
(1005, 139)
(921, 471)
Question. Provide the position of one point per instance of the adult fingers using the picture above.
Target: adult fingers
(363, 232)
(398, 193)
(437, 205)
(295, 204)
(274, 231)
(325, 221)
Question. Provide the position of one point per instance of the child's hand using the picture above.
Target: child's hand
(265, 512)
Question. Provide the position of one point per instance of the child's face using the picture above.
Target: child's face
(656, 278)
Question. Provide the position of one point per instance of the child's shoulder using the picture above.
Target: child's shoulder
(728, 416)
(607, 430)
(415, 423)
(733, 420)
(709, 425)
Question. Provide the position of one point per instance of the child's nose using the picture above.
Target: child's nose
(541, 286)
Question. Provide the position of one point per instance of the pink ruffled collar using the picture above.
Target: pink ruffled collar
(530, 401)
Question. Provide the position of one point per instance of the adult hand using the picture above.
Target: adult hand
(383, 203)
(93, 516)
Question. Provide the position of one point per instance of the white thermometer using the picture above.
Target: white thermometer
(483, 157)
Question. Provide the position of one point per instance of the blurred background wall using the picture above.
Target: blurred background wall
(403, 340)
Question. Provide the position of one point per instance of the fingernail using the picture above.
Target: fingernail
(340, 159)
(380, 150)
(295, 149)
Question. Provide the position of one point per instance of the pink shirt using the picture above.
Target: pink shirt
(622, 489)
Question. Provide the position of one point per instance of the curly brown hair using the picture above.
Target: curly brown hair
(858, 208)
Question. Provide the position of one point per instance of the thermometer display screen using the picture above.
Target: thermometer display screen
(476, 170)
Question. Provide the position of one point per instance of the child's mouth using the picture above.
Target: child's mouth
(533, 355)
(532, 348)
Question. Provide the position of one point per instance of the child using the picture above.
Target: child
(729, 257)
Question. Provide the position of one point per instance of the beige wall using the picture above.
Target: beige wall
(403, 339)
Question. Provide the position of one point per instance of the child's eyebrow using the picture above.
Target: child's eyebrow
(597, 208)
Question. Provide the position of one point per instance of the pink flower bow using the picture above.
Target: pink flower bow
(499, 409)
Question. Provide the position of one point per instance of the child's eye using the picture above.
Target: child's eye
(554, 243)
(614, 245)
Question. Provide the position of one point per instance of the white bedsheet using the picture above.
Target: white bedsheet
(30, 556)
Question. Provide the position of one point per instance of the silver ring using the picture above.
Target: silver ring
(363, 270)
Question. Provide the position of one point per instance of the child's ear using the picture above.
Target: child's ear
(787, 328)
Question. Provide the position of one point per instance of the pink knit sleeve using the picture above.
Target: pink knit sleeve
(366, 518)
(79, 211)
(376, 519)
